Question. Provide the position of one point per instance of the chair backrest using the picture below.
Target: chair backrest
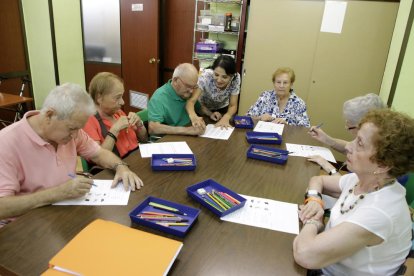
(409, 186)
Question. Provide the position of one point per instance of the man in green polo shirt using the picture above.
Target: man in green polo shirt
(166, 108)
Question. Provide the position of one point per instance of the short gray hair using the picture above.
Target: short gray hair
(184, 69)
(355, 108)
(68, 98)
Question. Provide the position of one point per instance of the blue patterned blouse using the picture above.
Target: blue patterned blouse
(212, 97)
(294, 113)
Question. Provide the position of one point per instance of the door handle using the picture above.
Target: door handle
(153, 60)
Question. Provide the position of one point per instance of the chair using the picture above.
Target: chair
(409, 186)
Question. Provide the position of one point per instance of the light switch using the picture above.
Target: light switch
(137, 7)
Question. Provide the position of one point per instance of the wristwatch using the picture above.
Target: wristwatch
(332, 172)
(313, 193)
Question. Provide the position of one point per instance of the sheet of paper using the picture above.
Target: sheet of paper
(267, 213)
(333, 17)
(147, 150)
(217, 132)
(101, 194)
(262, 126)
(305, 151)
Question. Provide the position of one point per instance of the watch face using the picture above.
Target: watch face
(312, 192)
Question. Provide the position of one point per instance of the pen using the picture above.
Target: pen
(73, 176)
(319, 126)
(167, 208)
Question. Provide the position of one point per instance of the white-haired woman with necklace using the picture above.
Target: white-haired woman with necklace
(369, 230)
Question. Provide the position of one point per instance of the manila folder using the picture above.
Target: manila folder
(108, 248)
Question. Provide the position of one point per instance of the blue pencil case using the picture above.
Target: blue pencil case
(188, 214)
(254, 137)
(243, 122)
(226, 195)
(268, 154)
(173, 162)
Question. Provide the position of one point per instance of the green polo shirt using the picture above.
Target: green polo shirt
(166, 107)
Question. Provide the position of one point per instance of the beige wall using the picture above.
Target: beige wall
(69, 48)
(39, 44)
(404, 95)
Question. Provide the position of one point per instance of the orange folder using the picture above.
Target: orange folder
(108, 248)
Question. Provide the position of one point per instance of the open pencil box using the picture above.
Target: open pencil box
(173, 162)
(243, 122)
(254, 137)
(165, 220)
(215, 197)
(269, 154)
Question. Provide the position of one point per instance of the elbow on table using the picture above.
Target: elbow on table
(306, 257)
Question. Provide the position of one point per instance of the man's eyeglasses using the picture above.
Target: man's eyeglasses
(188, 86)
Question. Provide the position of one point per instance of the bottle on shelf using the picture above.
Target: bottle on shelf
(227, 25)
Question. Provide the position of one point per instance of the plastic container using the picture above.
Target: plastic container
(202, 27)
(254, 137)
(243, 122)
(268, 154)
(218, 20)
(173, 162)
(205, 20)
(180, 231)
(203, 47)
(208, 185)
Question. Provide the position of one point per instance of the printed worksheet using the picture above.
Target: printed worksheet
(147, 150)
(101, 194)
(266, 213)
(305, 151)
(217, 132)
(263, 126)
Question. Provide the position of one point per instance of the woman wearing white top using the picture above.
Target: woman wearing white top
(369, 230)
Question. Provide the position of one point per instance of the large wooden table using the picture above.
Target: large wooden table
(212, 247)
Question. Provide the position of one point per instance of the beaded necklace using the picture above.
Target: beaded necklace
(360, 197)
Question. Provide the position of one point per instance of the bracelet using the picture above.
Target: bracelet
(110, 134)
(114, 167)
(311, 198)
(319, 225)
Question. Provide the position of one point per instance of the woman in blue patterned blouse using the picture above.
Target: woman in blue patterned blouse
(281, 105)
(219, 88)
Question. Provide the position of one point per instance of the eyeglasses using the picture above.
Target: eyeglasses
(188, 86)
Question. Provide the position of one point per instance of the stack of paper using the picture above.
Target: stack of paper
(263, 126)
(147, 150)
